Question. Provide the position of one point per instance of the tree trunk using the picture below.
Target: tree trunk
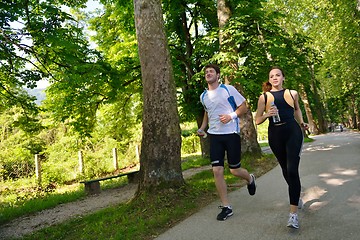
(322, 124)
(249, 143)
(312, 125)
(160, 159)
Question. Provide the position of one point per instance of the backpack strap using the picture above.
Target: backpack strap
(265, 97)
(268, 99)
(202, 98)
(223, 86)
(231, 99)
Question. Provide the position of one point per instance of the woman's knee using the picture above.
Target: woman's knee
(293, 173)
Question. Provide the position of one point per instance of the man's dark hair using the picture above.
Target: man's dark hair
(214, 66)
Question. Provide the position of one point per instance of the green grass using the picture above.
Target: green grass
(23, 205)
(150, 214)
(16, 201)
(143, 218)
(193, 161)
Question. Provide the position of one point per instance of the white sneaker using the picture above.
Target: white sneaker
(293, 221)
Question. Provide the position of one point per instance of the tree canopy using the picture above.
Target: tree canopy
(97, 92)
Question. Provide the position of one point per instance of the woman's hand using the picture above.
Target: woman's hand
(272, 111)
(304, 126)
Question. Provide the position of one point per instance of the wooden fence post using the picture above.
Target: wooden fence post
(81, 162)
(38, 168)
(115, 160)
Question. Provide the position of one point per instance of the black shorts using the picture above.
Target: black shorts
(225, 142)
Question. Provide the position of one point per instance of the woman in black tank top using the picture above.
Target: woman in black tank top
(285, 136)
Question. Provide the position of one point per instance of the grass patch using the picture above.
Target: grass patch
(17, 200)
(143, 218)
(32, 199)
(193, 161)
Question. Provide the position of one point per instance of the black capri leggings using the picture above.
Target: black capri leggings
(286, 143)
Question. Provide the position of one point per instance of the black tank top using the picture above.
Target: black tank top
(286, 111)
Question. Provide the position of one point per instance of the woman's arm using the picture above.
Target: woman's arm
(260, 117)
(297, 113)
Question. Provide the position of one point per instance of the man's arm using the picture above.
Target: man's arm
(240, 110)
(205, 121)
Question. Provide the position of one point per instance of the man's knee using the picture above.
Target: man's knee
(218, 171)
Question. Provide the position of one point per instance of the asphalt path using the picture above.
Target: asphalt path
(330, 179)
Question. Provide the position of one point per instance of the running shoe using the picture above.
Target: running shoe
(293, 221)
(252, 186)
(225, 213)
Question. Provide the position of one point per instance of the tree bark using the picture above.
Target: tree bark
(160, 159)
(320, 112)
(312, 125)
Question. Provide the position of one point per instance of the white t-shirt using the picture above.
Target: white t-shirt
(216, 103)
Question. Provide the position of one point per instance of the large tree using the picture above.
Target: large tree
(160, 159)
(249, 143)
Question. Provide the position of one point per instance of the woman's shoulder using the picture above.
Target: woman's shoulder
(293, 92)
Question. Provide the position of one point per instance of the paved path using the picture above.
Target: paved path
(329, 171)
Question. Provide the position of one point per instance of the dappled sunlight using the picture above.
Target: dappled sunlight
(317, 205)
(346, 172)
(314, 193)
(320, 148)
(324, 175)
(336, 181)
(354, 201)
(337, 177)
(281, 204)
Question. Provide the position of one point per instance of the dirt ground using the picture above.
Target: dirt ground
(25, 225)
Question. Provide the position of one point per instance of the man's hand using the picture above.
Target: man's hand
(225, 118)
(201, 133)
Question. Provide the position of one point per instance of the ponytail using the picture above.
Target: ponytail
(266, 87)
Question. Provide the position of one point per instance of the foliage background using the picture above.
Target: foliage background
(94, 101)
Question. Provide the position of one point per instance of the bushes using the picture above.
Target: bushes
(190, 144)
(16, 162)
(60, 162)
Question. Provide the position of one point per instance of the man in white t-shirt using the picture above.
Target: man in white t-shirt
(223, 105)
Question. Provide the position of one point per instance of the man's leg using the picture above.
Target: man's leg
(221, 184)
(241, 173)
